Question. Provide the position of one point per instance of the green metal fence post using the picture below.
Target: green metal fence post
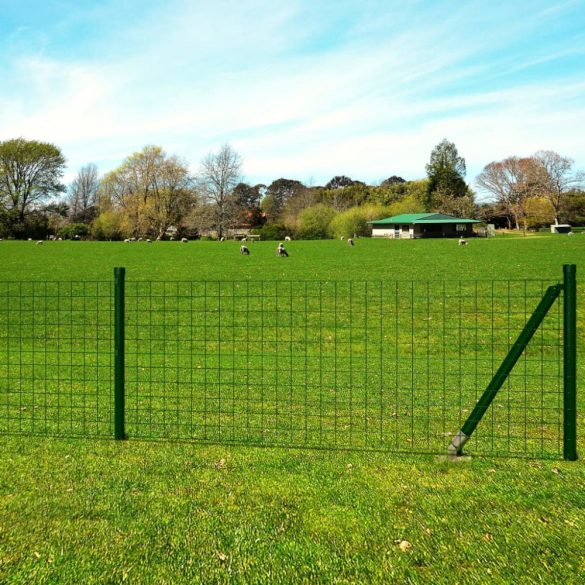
(570, 363)
(119, 398)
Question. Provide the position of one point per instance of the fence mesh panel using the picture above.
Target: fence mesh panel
(56, 362)
(394, 366)
(363, 365)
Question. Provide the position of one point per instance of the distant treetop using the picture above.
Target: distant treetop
(393, 180)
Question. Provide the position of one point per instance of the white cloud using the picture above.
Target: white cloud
(292, 101)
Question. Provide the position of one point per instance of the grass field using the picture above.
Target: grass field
(81, 510)
(539, 256)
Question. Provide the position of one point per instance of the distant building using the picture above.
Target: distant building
(422, 225)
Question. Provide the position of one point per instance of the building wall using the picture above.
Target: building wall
(385, 232)
(398, 231)
(414, 231)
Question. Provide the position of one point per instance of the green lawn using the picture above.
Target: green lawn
(502, 257)
(86, 510)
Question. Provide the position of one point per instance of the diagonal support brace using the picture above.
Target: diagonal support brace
(532, 325)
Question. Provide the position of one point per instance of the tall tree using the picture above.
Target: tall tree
(339, 182)
(555, 178)
(278, 193)
(512, 181)
(30, 172)
(393, 180)
(152, 189)
(246, 201)
(342, 198)
(83, 193)
(446, 171)
(220, 173)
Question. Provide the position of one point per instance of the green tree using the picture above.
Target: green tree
(246, 201)
(573, 207)
(151, 189)
(277, 194)
(446, 171)
(30, 172)
(314, 222)
(396, 191)
(344, 197)
(393, 180)
(339, 182)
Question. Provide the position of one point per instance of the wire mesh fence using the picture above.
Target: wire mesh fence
(365, 365)
(394, 366)
(56, 358)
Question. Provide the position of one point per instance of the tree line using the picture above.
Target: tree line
(154, 194)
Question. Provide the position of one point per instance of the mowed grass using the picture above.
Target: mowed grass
(82, 510)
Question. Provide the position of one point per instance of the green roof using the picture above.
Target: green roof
(422, 218)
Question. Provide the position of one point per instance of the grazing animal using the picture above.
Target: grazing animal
(281, 251)
(342, 238)
(244, 250)
(127, 241)
(148, 241)
(462, 241)
(222, 239)
(243, 240)
(287, 239)
(39, 242)
(184, 240)
(350, 241)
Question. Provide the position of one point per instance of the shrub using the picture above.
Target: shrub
(107, 226)
(355, 220)
(69, 232)
(274, 231)
(314, 222)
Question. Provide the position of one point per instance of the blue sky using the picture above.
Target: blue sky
(301, 89)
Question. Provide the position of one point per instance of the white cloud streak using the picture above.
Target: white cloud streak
(368, 97)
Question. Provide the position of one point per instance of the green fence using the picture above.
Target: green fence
(395, 366)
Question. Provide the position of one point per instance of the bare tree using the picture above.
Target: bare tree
(511, 181)
(555, 177)
(83, 193)
(219, 175)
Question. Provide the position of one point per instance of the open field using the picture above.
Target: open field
(83, 510)
(539, 256)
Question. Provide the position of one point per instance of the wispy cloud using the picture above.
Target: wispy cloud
(303, 90)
